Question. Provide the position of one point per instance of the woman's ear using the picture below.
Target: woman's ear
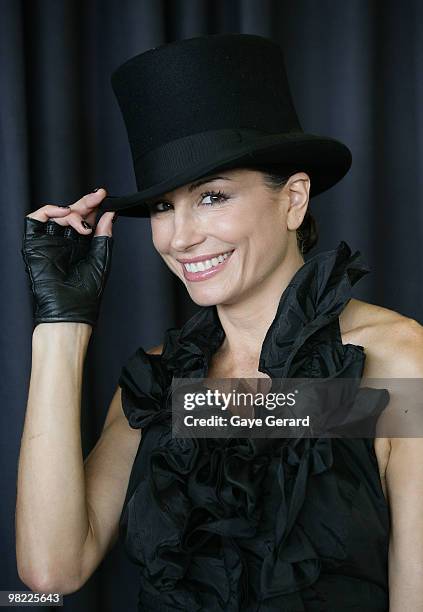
(298, 191)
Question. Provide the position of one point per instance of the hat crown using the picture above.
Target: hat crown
(224, 81)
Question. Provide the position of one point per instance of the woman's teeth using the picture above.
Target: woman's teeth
(200, 266)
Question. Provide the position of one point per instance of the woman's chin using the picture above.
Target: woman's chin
(204, 301)
(206, 297)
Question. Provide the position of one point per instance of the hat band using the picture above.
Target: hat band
(176, 156)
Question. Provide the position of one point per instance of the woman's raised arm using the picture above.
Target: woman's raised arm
(51, 511)
(67, 268)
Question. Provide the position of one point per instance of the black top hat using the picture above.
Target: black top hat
(213, 102)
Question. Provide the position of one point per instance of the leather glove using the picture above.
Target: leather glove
(67, 271)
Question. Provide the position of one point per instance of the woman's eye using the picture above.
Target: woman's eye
(155, 207)
(214, 197)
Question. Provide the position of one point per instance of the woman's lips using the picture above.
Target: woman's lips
(199, 276)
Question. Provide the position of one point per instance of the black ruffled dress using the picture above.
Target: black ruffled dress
(268, 525)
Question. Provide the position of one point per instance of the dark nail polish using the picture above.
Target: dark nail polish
(86, 225)
(115, 217)
(96, 189)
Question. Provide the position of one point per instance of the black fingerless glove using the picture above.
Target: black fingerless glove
(67, 271)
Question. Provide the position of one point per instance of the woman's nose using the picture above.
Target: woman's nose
(186, 231)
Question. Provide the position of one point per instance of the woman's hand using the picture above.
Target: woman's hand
(67, 265)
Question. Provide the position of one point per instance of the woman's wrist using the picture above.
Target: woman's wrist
(65, 333)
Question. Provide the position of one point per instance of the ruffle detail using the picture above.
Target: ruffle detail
(229, 521)
(143, 381)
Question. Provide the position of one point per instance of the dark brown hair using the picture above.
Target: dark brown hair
(275, 177)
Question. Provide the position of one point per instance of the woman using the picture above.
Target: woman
(225, 173)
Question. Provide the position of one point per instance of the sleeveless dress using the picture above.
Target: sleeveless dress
(257, 525)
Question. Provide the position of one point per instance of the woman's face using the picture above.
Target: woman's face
(230, 221)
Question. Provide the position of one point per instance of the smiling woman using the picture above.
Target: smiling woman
(226, 175)
(235, 217)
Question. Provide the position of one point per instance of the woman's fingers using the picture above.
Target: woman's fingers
(80, 215)
(87, 206)
(105, 224)
(75, 221)
(48, 211)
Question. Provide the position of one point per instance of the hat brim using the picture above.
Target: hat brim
(324, 159)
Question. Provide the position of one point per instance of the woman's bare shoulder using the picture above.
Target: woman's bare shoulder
(393, 342)
(364, 315)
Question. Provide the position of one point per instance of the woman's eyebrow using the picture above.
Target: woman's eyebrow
(207, 180)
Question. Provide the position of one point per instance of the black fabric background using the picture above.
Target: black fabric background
(355, 69)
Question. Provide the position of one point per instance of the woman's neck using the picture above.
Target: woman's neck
(246, 322)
